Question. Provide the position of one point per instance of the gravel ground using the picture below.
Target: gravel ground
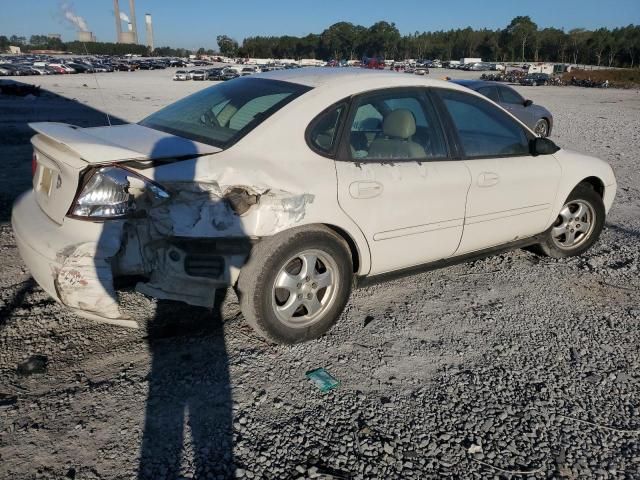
(513, 366)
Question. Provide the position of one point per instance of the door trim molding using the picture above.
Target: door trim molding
(365, 281)
(487, 217)
(417, 229)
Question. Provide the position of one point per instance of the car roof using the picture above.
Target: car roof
(325, 77)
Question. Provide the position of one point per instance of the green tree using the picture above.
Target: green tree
(4, 43)
(382, 39)
(18, 41)
(227, 45)
(340, 40)
(577, 40)
(630, 40)
(521, 30)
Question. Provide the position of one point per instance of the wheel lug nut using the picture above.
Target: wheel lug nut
(308, 278)
(299, 296)
(314, 285)
(309, 296)
(299, 285)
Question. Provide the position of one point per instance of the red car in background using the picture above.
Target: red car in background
(373, 63)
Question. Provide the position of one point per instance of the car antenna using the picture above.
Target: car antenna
(95, 77)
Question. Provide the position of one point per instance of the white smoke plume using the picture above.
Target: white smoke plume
(124, 17)
(71, 17)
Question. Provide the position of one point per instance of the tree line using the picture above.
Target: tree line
(521, 40)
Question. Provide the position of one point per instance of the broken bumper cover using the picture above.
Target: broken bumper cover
(63, 259)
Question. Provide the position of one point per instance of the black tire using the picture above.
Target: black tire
(256, 290)
(585, 194)
(540, 125)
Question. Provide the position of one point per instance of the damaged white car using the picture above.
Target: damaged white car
(292, 187)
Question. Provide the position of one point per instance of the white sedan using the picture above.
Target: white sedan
(182, 75)
(293, 186)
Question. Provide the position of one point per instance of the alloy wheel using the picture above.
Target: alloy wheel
(574, 224)
(305, 288)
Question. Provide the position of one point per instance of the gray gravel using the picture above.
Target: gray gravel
(511, 367)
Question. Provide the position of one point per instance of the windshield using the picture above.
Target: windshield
(222, 114)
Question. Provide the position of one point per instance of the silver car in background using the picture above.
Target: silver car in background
(536, 117)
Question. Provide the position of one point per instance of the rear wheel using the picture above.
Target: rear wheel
(295, 284)
(578, 225)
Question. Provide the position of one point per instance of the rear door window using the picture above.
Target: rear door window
(324, 129)
(511, 96)
(394, 126)
(490, 92)
(484, 130)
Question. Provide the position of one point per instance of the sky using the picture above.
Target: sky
(196, 23)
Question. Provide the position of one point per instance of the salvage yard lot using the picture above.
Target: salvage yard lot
(515, 363)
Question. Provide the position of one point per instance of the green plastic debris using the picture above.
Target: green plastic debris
(322, 379)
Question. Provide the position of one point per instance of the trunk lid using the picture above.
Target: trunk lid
(63, 151)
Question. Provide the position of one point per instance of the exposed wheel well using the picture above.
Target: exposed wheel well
(355, 256)
(595, 183)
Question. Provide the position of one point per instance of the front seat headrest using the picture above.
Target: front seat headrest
(399, 123)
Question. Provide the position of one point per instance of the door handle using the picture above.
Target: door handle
(365, 189)
(488, 179)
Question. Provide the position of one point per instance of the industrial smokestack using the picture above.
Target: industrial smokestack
(130, 27)
(86, 36)
(132, 14)
(116, 9)
(147, 21)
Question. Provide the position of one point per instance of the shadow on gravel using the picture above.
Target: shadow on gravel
(25, 289)
(188, 421)
(15, 134)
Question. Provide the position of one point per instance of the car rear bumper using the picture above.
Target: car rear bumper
(38, 237)
(68, 260)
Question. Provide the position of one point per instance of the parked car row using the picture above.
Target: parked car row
(56, 66)
(224, 73)
(477, 66)
(227, 73)
(518, 76)
(48, 65)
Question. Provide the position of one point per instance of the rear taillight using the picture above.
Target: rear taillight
(34, 164)
(109, 192)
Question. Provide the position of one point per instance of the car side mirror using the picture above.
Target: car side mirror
(543, 146)
(528, 102)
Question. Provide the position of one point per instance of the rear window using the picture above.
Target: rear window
(222, 114)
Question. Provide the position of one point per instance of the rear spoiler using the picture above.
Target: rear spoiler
(89, 147)
(121, 143)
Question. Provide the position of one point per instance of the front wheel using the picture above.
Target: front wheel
(295, 285)
(542, 128)
(578, 225)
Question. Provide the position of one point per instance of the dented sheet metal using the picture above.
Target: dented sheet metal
(85, 281)
(157, 244)
(206, 210)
